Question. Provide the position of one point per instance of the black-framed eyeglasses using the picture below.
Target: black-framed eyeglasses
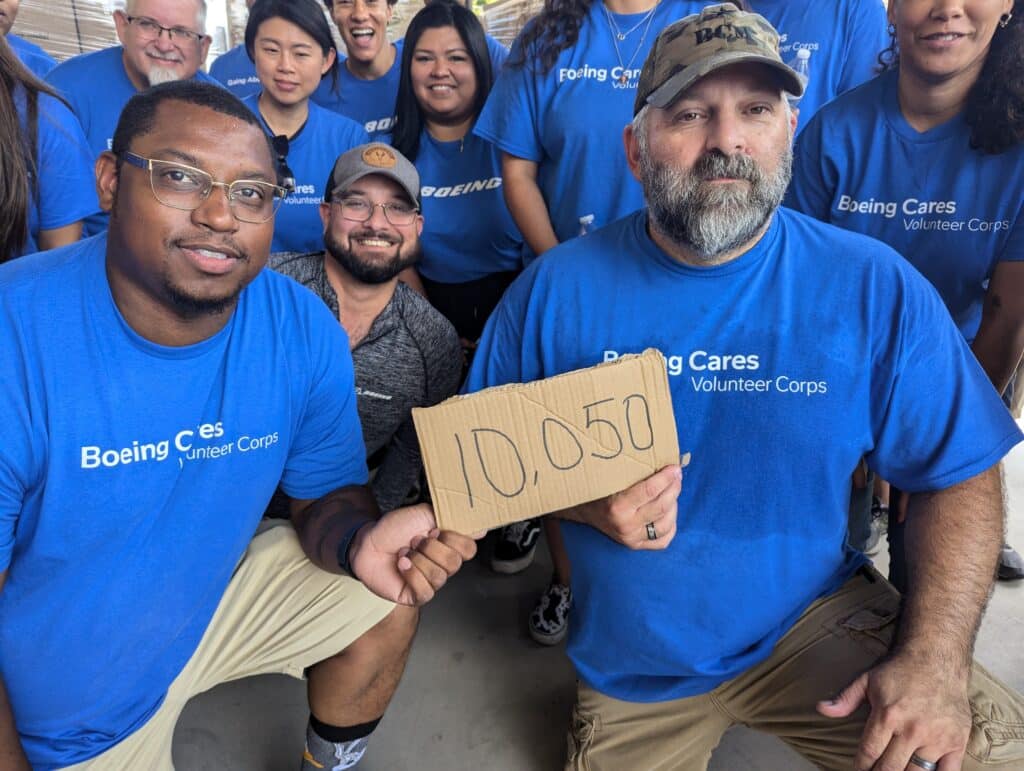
(357, 209)
(185, 187)
(151, 28)
(286, 175)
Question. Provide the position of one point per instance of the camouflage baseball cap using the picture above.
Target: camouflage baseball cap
(373, 158)
(693, 47)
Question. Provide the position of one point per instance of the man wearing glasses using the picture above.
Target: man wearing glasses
(406, 354)
(158, 387)
(161, 41)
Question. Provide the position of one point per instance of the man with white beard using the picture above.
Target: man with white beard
(161, 41)
(804, 348)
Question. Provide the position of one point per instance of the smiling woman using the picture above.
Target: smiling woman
(290, 43)
(471, 247)
(949, 109)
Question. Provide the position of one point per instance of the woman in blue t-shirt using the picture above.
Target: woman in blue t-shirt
(929, 158)
(48, 186)
(291, 46)
(557, 113)
(471, 247)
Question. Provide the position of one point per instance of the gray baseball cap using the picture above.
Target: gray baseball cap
(697, 45)
(373, 158)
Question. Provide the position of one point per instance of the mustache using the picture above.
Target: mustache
(381, 235)
(715, 165)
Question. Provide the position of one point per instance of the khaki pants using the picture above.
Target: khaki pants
(279, 614)
(833, 642)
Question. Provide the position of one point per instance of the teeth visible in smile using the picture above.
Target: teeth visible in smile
(211, 255)
(947, 37)
(441, 87)
(374, 242)
(362, 32)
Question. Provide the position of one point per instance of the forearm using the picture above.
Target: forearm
(998, 347)
(322, 524)
(952, 541)
(526, 204)
(1000, 339)
(12, 756)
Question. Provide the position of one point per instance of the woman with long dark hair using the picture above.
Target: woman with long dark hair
(929, 158)
(557, 113)
(471, 247)
(558, 109)
(290, 43)
(47, 185)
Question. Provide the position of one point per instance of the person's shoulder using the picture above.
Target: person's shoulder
(301, 266)
(823, 244)
(859, 105)
(338, 125)
(229, 58)
(423, 320)
(47, 275)
(78, 70)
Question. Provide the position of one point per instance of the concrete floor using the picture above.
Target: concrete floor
(480, 694)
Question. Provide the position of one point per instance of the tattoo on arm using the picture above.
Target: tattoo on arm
(321, 524)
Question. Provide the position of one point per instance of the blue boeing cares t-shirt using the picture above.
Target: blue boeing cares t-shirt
(32, 56)
(369, 102)
(467, 230)
(236, 72)
(97, 88)
(952, 211)
(844, 38)
(65, 185)
(569, 120)
(311, 156)
(132, 477)
(776, 396)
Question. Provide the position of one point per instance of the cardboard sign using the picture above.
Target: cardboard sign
(518, 451)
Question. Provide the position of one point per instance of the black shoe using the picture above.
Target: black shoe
(515, 547)
(549, 621)
(1011, 566)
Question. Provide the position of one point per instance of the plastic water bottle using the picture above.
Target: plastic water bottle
(585, 222)
(801, 65)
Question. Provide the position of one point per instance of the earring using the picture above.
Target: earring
(891, 29)
(1004, 20)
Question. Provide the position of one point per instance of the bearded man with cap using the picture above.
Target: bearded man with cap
(406, 354)
(794, 349)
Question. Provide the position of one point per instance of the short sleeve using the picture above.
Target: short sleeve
(21, 451)
(67, 182)
(937, 419)
(498, 53)
(511, 117)
(814, 175)
(328, 450)
(866, 38)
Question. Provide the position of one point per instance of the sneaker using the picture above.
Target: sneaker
(879, 525)
(549, 620)
(1011, 566)
(515, 547)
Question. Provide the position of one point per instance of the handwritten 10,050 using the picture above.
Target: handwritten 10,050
(611, 423)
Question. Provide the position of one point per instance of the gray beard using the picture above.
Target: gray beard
(158, 75)
(711, 221)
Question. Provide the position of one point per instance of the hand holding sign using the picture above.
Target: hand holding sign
(632, 516)
(518, 451)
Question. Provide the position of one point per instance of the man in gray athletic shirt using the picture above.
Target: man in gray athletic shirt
(406, 353)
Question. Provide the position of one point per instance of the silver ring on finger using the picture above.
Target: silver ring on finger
(927, 765)
(652, 534)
